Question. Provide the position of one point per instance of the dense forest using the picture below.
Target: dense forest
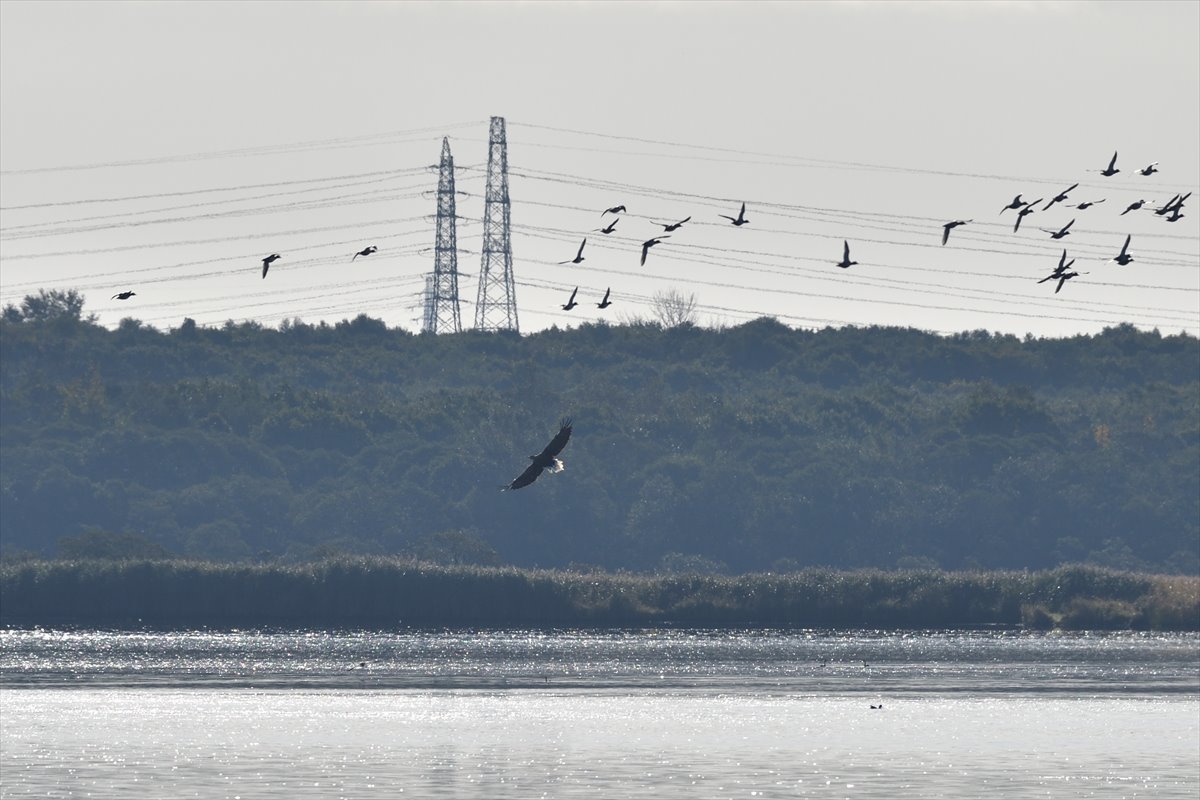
(748, 448)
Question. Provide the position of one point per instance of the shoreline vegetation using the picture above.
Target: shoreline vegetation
(390, 593)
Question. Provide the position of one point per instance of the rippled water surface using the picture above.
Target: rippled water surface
(583, 714)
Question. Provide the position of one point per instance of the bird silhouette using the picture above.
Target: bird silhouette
(1111, 170)
(1065, 230)
(949, 226)
(845, 263)
(366, 251)
(646, 245)
(741, 217)
(1024, 212)
(1149, 169)
(1017, 202)
(268, 261)
(1133, 207)
(605, 303)
(1063, 266)
(1058, 198)
(571, 303)
(1088, 204)
(1176, 215)
(1166, 209)
(674, 226)
(610, 227)
(578, 256)
(1066, 276)
(613, 210)
(1123, 257)
(878, 707)
(123, 295)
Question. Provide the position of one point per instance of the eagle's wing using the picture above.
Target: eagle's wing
(556, 444)
(527, 477)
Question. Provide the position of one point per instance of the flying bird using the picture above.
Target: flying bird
(578, 256)
(123, 295)
(1132, 207)
(1024, 212)
(1060, 270)
(268, 261)
(1112, 167)
(1166, 209)
(1065, 230)
(646, 245)
(613, 210)
(605, 303)
(1149, 169)
(1088, 204)
(1123, 257)
(366, 251)
(1058, 198)
(845, 263)
(674, 226)
(571, 303)
(1176, 215)
(741, 217)
(545, 460)
(949, 226)
(610, 227)
(1066, 276)
(1017, 202)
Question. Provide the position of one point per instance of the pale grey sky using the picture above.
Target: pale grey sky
(868, 122)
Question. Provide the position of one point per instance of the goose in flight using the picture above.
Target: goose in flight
(123, 295)
(1024, 212)
(949, 226)
(1166, 209)
(674, 226)
(741, 217)
(1065, 230)
(578, 256)
(366, 251)
(1017, 202)
(1066, 276)
(1149, 169)
(605, 302)
(1132, 207)
(268, 261)
(845, 263)
(646, 245)
(1060, 270)
(571, 303)
(1123, 257)
(1111, 170)
(1058, 198)
(613, 210)
(1085, 205)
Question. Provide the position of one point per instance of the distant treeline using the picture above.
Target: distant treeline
(385, 593)
(745, 449)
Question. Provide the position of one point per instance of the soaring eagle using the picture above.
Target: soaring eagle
(547, 459)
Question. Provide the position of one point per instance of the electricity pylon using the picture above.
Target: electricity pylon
(445, 313)
(496, 307)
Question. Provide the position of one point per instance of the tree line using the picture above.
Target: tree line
(747, 448)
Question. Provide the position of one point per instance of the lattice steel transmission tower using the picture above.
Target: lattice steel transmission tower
(496, 307)
(445, 313)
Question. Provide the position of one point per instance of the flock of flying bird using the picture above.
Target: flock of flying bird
(1172, 211)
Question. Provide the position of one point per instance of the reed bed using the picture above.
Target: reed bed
(388, 593)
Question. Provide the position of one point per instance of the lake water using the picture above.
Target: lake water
(662, 714)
